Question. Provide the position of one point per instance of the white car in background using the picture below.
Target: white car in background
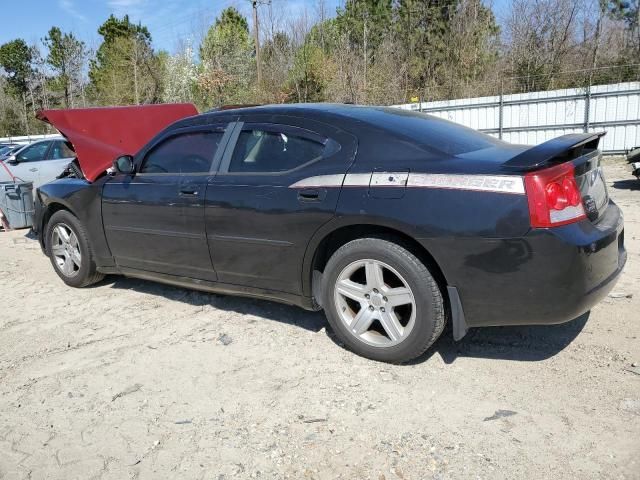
(39, 162)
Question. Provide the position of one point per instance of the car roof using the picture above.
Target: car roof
(419, 128)
(342, 109)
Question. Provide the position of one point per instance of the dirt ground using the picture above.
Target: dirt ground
(132, 379)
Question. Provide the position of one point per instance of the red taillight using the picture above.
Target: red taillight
(554, 197)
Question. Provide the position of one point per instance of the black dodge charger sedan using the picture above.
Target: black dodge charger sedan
(393, 222)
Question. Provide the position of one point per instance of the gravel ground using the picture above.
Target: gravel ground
(132, 379)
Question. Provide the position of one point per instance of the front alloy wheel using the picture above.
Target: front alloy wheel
(65, 250)
(69, 250)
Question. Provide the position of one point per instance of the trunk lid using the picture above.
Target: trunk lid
(582, 151)
(592, 185)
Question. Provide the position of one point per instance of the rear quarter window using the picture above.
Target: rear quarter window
(435, 133)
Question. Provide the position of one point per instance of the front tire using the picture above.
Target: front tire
(381, 300)
(69, 250)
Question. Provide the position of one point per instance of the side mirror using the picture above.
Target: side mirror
(12, 160)
(124, 164)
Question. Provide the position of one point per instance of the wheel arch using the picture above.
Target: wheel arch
(330, 238)
(50, 209)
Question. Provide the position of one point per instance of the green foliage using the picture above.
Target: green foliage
(366, 22)
(228, 64)
(15, 59)
(115, 28)
(308, 77)
(125, 69)
(66, 58)
(425, 32)
(627, 11)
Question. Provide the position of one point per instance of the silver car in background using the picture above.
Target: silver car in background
(39, 162)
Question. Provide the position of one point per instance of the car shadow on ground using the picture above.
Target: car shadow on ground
(527, 343)
(522, 343)
(312, 321)
(631, 184)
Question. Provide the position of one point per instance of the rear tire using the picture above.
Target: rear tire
(69, 250)
(381, 300)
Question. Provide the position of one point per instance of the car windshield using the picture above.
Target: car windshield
(9, 149)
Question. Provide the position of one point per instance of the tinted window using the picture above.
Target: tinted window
(184, 153)
(267, 151)
(61, 149)
(435, 133)
(34, 153)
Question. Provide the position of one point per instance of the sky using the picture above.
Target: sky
(169, 21)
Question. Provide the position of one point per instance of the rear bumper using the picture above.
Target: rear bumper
(548, 276)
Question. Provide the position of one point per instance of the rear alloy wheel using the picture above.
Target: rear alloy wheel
(375, 303)
(382, 301)
(69, 250)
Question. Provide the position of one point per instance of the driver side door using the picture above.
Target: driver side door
(154, 219)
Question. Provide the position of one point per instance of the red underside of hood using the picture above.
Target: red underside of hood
(100, 135)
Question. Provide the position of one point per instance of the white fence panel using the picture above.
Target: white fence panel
(27, 138)
(532, 118)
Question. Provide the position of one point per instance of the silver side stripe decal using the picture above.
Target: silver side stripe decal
(320, 181)
(389, 179)
(481, 183)
(357, 179)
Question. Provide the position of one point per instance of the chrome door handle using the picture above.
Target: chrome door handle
(312, 195)
(188, 191)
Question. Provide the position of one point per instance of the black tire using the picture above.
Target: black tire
(87, 273)
(429, 315)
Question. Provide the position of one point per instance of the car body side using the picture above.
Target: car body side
(492, 267)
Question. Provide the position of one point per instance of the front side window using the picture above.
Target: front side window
(273, 150)
(184, 153)
(61, 149)
(34, 153)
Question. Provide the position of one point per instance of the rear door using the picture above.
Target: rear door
(154, 220)
(269, 197)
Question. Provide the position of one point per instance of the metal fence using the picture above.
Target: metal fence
(26, 138)
(532, 118)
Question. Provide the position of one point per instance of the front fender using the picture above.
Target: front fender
(84, 200)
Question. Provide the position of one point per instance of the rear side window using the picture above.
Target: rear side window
(433, 132)
(273, 149)
(191, 152)
(61, 149)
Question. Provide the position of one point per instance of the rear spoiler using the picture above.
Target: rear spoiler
(560, 149)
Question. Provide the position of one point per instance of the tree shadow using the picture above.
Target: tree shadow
(629, 184)
(519, 343)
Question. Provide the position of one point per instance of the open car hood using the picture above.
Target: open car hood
(100, 135)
